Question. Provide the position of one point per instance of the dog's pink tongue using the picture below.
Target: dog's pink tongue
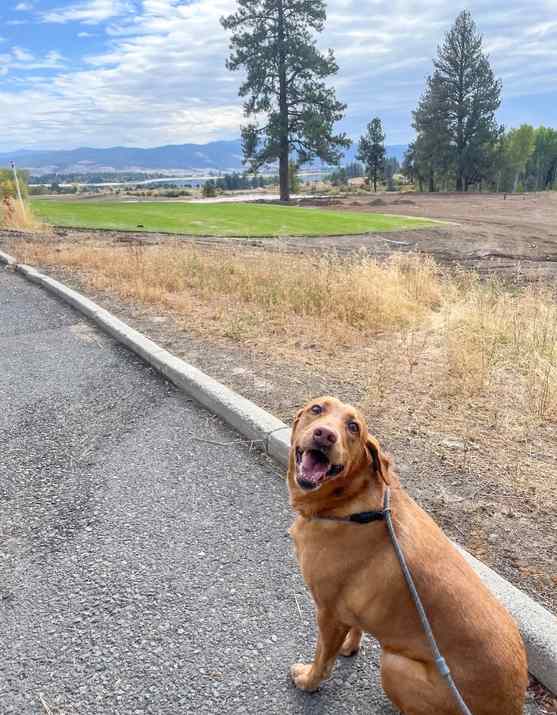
(313, 467)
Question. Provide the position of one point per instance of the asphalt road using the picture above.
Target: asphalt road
(142, 570)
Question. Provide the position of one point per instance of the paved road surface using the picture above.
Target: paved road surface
(141, 570)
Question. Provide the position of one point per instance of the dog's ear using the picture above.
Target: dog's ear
(295, 424)
(291, 455)
(379, 461)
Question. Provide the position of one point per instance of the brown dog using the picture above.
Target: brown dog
(336, 469)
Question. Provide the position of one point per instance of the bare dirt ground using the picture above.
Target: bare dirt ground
(516, 235)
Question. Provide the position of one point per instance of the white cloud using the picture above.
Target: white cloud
(21, 59)
(89, 12)
(22, 55)
(24, 6)
(85, 34)
(161, 78)
(542, 28)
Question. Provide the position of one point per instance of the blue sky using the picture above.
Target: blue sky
(150, 72)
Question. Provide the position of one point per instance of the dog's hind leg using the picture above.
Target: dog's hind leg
(413, 687)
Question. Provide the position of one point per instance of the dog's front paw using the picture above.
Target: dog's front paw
(301, 675)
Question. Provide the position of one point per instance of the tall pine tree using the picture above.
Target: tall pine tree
(473, 96)
(432, 151)
(272, 40)
(371, 151)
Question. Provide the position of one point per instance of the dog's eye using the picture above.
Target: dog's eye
(317, 409)
(353, 427)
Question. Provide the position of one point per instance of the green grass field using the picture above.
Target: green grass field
(224, 219)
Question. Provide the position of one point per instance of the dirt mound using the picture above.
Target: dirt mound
(405, 202)
(315, 201)
(377, 202)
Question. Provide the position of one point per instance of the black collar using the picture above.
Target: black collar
(361, 517)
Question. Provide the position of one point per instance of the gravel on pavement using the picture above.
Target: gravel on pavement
(145, 564)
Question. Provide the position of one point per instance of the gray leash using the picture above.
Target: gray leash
(440, 662)
(366, 517)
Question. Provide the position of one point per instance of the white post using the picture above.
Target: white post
(19, 196)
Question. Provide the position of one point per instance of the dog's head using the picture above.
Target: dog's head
(331, 448)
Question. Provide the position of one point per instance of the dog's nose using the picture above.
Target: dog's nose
(324, 437)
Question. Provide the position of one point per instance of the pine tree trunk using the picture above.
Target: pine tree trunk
(460, 143)
(283, 109)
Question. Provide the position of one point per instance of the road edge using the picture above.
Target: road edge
(537, 625)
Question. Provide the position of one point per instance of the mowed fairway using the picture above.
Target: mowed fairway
(224, 219)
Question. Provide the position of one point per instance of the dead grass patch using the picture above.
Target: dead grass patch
(15, 216)
(451, 357)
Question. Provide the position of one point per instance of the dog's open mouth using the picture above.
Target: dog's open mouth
(314, 468)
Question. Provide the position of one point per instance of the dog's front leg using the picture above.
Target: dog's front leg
(331, 636)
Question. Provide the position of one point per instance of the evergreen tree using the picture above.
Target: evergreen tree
(392, 167)
(371, 151)
(272, 40)
(209, 189)
(294, 182)
(354, 170)
(473, 96)
(339, 177)
(409, 164)
(432, 148)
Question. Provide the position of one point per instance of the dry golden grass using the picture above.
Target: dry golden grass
(446, 355)
(349, 297)
(15, 216)
(497, 337)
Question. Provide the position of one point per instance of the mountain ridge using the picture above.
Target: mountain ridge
(220, 155)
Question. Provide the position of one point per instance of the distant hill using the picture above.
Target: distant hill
(217, 156)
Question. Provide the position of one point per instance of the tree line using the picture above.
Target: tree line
(458, 141)
(292, 111)
(521, 159)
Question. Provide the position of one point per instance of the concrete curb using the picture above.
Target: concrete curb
(8, 260)
(537, 625)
